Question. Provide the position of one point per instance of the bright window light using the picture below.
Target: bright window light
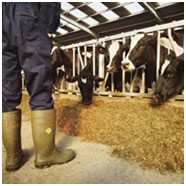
(62, 31)
(164, 3)
(78, 13)
(98, 7)
(66, 6)
(90, 21)
(134, 8)
(110, 15)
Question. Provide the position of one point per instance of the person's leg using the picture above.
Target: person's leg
(11, 95)
(34, 52)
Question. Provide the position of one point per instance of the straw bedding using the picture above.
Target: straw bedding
(135, 131)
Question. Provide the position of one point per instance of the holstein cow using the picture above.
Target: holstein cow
(143, 50)
(170, 82)
(117, 52)
(85, 79)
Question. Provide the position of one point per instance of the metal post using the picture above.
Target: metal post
(78, 66)
(123, 81)
(79, 56)
(74, 61)
(112, 82)
(158, 56)
(123, 71)
(94, 62)
(85, 55)
(131, 82)
(142, 90)
(101, 69)
(101, 64)
(23, 80)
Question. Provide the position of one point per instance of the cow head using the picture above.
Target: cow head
(139, 52)
(61, 58)
(116, 51)
(86, 83)
(170, 83)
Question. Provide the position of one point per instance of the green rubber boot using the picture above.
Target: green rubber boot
(43, 132)
(11, 128)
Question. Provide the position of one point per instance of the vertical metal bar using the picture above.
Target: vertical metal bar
(74, 61)
(23, 80)
(112, 82)
(85, 55)
(101, 63)
(123, 71)
(79, 56)
(105, 80)
(131, 82)
(158, 56)
(123, 81)
(78, 66)
(142, 90)
(94, 60)
(94, 63)
(101, 69)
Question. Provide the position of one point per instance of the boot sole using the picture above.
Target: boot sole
(12, 169)
(22, 161)
(15, 167)
(49, 164)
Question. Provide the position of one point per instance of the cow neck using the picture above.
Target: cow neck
(171, 44)
(134, 41)
(114, 47)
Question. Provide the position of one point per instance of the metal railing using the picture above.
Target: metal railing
(80, 61)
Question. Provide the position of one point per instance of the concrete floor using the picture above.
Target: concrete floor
(93, 164)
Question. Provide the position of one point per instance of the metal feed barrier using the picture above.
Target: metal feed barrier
(80, 61)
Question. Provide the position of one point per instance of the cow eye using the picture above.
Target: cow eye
(169, 75)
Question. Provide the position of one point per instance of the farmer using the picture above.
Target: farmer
(26, 47)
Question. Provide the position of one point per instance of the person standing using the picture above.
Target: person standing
(26, 46)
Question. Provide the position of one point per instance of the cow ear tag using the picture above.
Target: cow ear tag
(84, 80)
(48, 130)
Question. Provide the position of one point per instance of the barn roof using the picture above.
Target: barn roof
(82, 21)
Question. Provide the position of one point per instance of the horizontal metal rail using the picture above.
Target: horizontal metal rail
(172, 24)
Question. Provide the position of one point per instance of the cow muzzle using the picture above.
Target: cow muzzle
(127, 65)
(110, 69)
(156, 100)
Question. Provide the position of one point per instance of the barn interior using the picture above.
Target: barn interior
(125, 139)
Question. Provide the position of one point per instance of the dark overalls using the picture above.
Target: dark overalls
(26, 47)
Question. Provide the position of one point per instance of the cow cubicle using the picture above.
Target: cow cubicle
(80, 61)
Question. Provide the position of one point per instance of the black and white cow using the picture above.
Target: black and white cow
(170, 82)
(143, 50)
(85, 78)
(117, 52)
